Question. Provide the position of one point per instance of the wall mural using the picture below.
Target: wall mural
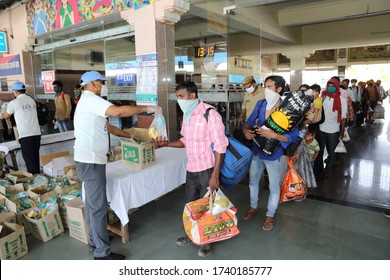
(47, 15)
(369, 53)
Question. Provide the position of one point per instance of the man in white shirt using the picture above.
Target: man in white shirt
(332, 129)
(24, 109)
(90, 154)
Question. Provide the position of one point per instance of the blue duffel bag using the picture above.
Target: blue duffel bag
(236, 162)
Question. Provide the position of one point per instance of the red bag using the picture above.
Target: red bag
(293, 187)
(202, 227)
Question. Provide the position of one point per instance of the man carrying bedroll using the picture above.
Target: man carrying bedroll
(198, 134)
(90, 154)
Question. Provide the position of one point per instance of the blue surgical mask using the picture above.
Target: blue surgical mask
(331, 89)
(188, 106)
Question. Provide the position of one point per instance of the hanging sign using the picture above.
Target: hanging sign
(48, 78)
(10, 65)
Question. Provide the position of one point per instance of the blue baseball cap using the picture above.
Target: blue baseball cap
(18, 86)
(91, 76)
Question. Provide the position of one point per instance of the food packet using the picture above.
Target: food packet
(221, 203)
(158, 127)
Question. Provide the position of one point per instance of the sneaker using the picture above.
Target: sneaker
(112, 257)
(183, 241)
(205, 251)
(387, 213)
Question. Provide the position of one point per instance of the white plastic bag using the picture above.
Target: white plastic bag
(158, 127)
(346, 137)
(221, 203)
(340, 148)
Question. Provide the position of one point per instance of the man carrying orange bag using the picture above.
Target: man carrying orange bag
(198, 134)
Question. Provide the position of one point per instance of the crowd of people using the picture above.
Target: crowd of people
(338, 106)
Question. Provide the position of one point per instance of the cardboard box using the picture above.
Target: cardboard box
(13, 243)
(13, 189)
(12, 207)
(77, 220)
(54, 164)
(138, 155)
(46, 228)
(39, 198)
(19, 176)
(9, 216)
(61, 205)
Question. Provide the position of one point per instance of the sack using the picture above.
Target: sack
(158, 127)
(340, 148)
(236, 162)
(379, 112)
(221, 203)
(288, 115)
(202, 227)
(293, 187)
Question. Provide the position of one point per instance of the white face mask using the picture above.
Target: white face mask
(250, 89)
(104, 91)
(188, 106)
(271, 97)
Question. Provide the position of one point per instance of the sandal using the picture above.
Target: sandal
(249, 214)
(268, 223)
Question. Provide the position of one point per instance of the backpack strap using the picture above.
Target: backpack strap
(206, 114)
(230, 147)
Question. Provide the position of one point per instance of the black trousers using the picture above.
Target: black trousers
(30, 151)
(197, 184)
(196, 187)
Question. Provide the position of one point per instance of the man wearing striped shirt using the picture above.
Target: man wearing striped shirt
(197, 136)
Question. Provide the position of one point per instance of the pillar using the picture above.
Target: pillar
(154, 33)
(297, 57)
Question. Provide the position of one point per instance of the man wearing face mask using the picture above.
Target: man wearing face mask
(253, 94)
(63, 106)
(90, 155)
(25, 111)
(197, 136)
(274, 89)
(332, 129)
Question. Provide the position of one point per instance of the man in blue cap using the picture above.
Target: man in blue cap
(24, 109)
(90, 154)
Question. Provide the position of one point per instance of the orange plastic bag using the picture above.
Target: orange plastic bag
(202, 227)
(293, 187)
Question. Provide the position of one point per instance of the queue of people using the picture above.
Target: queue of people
(333, 108)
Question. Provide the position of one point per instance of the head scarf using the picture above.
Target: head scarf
(335, 96)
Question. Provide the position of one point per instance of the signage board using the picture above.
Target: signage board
(48, 78)
(3, 42)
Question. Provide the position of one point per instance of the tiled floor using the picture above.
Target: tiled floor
(342, 220)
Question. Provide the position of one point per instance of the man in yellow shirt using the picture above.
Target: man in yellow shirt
(253, 94)
(63, 106)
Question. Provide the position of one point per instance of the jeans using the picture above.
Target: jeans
(256, 170)
(63, 125)
(330, 141)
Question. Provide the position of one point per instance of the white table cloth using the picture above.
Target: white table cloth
(131, 188)
(50, 143)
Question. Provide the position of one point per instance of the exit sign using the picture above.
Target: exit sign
(3, 42)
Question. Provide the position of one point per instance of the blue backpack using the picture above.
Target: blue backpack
(236, 161)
